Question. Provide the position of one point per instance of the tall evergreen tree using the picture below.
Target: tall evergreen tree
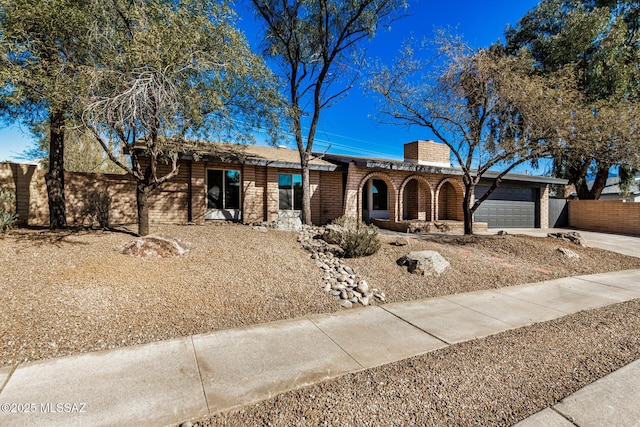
(600, 41)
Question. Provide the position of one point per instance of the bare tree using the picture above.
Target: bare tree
(315, 43)
(472, 101)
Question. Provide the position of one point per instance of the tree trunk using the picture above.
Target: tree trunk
(306, 189)
(142, 198)
(55, 176)
(600, 182)
(466, 209)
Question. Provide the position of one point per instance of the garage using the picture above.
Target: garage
(507, 207)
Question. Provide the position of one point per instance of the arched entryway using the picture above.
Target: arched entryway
(417, 200)
(377, 198)
(450, 197)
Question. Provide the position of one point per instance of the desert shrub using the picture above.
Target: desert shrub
(345, 221)
(7, 209)
(96, 208)
(355, 238)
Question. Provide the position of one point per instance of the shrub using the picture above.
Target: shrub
(355, 238)
(96, 207)
(7, 209)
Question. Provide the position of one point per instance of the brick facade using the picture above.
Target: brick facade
(430, 196)
(414, 193)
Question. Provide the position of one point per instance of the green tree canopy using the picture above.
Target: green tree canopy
(43, 45)
(167, 73)
(599, 41)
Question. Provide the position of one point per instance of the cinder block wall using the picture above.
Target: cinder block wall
(613, 216)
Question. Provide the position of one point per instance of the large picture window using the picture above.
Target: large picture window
(223, 189)
(290, 189)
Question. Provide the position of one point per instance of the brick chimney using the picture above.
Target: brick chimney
(427, 153)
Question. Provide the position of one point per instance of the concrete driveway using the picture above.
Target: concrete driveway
(621, 243)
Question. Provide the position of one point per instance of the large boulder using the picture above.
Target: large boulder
(424, 263)
(155, 247)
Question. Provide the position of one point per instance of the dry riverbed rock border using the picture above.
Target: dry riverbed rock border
(339, 280)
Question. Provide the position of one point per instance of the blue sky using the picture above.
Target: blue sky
(349, 127)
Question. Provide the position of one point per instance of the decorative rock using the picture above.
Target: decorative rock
(568, 253)
(335, 293)
(260, 228)
(424, 263)
(348, 270)
(363, 286)
(502, 233)
(356, 294)
(353, 300)
(346, 303)
(570, 236)
(343, 294)
(364, 301)
(350, 281)
(155, 247)
(342, 278)
(400, 241)
(349, 294)
(288, 224)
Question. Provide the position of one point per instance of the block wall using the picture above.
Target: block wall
(609, 216)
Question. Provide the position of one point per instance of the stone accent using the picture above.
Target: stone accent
(426, 263)
(570, 236)
(568, 253)
(155, 247)
(339, 280)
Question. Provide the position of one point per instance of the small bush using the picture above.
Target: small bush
(355, 238)
(96, 207)
(7, 209)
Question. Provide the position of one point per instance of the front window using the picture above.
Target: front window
(223, 189)
(290, 189)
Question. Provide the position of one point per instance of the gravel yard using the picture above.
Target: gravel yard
(70, 292)
(495, 381)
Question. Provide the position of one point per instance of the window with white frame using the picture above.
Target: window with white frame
(290, 191)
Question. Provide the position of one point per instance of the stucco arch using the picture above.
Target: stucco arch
(446, 206)
(392, 196)
(430, 203)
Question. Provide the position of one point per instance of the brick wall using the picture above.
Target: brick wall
(168, 203)
(331, 196)
(612, 216)
(26, 182)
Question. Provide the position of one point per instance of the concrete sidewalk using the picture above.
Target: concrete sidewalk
(173, 381)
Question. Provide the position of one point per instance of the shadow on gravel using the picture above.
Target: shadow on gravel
(43, 235)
